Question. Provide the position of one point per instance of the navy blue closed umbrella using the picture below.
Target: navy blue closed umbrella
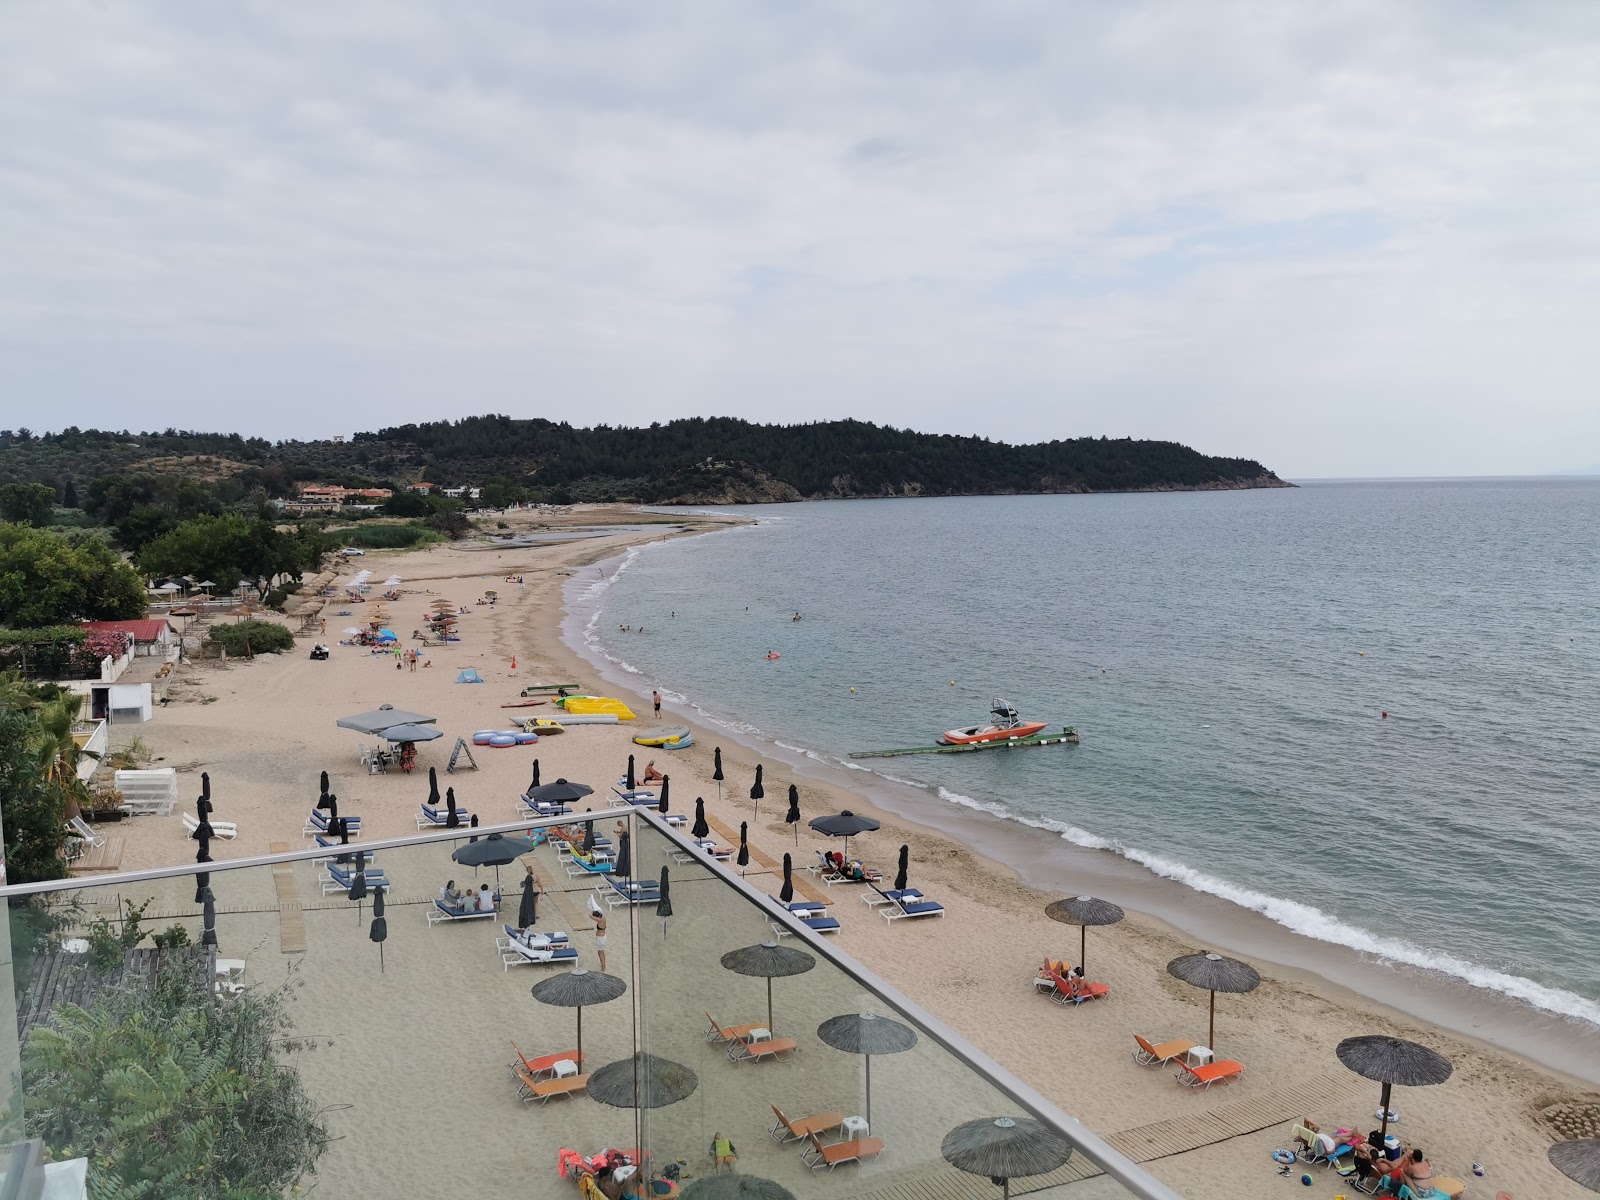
(664, 905)
(358, 885)
(666, 786)
(629, 778)
(744, 846)
(588, 837)
(535, 781)
(792, 817)
(322, 796)
(716, 773)
(528, 909)
(700, 829)
(623, 867)
(202, 881)
(452, 818)
(786, 894)
(380, 924)
(208, 920)
(905, 865)
(757, 791)
(433, 787)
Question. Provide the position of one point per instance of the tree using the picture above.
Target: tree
(69, 495)
(228, 548)
(406, 504)
(27, 503)
(46, 579)
(33, 806)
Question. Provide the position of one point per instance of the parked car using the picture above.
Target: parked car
(353, 552)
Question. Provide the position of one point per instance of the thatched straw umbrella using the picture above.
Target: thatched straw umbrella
(1578, 1160)
(768, 961)
(577, 989)
(1005, 1148)
(735, 1187)
(867, 1034)
(1215, 974)
(1084, 911)
(643, 1081)
(1391, 1060)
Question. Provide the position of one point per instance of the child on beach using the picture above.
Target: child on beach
(723, 1152)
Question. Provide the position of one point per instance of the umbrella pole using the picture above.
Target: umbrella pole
(1213, 1034)
(869, 1092)
(1383, 1103)
(1083, 947)
(380, 958)
(769, 1002)
(580, 1039)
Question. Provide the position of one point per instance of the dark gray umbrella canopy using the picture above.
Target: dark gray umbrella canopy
(433, 787)
(577, 989)
(383, 717)
(628, 778)
(208, 920)
(700, 829)
(1084, 911)
(560, 792)
(905, 869)
(1578, 1160)
(768, 961)
(664, 905)
(493, 850)
(411, 733)
(744, 845)
(1005, 1148)
(735, 1187)
(452, 818)
(717, 774)
(380, 924)
(792, 817)
(845, 824)
(528, 907)
(643, 1081)
(1211, 971)
(786, 893)
(622, 867)
(867, 1034)
(1391, 1060)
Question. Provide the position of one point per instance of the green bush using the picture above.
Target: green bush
(252, 637)
(384, 537)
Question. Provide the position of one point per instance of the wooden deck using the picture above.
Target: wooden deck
(1142, 1143)
(291, 913)
(99, 858)
(802, 881)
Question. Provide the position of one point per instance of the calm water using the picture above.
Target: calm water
(1226, 657)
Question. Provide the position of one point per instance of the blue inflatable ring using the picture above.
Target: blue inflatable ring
(503, 739)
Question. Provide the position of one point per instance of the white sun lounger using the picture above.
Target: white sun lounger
(225, 829)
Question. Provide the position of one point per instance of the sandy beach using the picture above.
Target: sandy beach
(264, 729)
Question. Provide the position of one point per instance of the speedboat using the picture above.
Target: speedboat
(1005, 727)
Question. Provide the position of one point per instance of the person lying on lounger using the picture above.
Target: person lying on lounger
(651, 775)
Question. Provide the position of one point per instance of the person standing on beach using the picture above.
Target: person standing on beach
(600, 938)
(656, 696)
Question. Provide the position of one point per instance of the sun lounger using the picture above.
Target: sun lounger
(554, 938)
(519, 953)
(340, 879)
(540, 808)
(817, 1156)
(318, 822)
(433, 818)
(767, 1049)
(223, 829)
(1075, 991)
(1204, 1077)
(542, 1067)
(897, 909)
(630, 891)
(868, 875)
(578, 867)
(439, 914)
(545, 1090)
(1153, 1056)
(621, 795)
(818, 924)
(350, 851)
(877, 896)
(794, 1131)
(720, 1033)
(78, 827)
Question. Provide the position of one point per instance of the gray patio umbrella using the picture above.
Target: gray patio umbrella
(664, 905)
(493, 850)
(433, 787)
(452, 819)
(208, 920)
(867, 1034)
(560, 792)
(792, 817)
(643, 1081)
(577, 989)
(411, 733)
(1214, 973)
(735, 1187)
(845, 824)
(768, 961)
(1005, 1148)
(700, 829)
(1578, 1160)
(786, 892)
(628, 779)
(1084, 911)
(622, 868)
(1392, 1060)
(380, 924)
(383, 717)
(744, 846)
(905, 868)
(757, 791)
(528, 908)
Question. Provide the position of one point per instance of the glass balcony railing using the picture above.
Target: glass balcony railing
(264, 1027)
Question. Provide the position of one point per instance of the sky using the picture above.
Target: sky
(1350, 238)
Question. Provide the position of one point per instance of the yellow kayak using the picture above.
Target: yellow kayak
(585, 705)
(542, 725)
(660, 737)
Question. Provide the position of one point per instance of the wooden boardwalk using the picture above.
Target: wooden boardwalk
(802, 881)
(1142, 1143)
(99, 858)
(291, 913)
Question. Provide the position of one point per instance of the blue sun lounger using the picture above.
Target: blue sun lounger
(340, 879)
(632, 891)
(897, 909)
(432, 818)
(439, 914)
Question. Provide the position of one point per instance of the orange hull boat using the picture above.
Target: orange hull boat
(991, 733)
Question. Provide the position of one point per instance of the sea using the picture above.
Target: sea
(1366, 714)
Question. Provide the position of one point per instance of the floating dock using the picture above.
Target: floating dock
(1068, 737)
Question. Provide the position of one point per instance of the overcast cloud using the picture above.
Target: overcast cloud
(1345, 238)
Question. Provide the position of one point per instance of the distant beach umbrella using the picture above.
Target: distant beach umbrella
(643, 1081)
(380, 924)
(535, 781)
(322, 796)
(735, 1187)
(716, 773)
(452, 819)
(757, 791)
(905, 867)
(744, 846)
(587, 846)
(208, 919)
(528, 908)
(1578, 1160)
(622, 868)
(1084, 911)
(768, 961)
(666, 787)
(204, 806)
(867, 1034)
(578, 989)
(560, 792)
(700, 829)
(333, 810)
(202, 880)
(664, 905)
(786, 893)
(1214, 973)
(845, 824)
(1005, 1148)
(629, 778)
(792, 817)
(358, 885)
(1391, 1060)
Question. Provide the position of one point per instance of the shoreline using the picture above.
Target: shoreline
(1049, 864)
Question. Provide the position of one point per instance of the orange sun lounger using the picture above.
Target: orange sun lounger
(817, 1155)
(1152, 1056)
(742, 1049)
(795, 1131)
(1204, 1077)
(545, 1064)
(543, 1090)
(730, 1033)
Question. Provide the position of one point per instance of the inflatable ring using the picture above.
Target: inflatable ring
(1282, 1156)
(503, 740)
(527, 739)
(481, 739)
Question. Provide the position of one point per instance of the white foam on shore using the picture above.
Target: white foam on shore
(1303, 919)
